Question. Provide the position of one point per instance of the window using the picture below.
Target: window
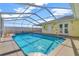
(61, 25)
(61, 28)
(66, 25)
(65, 28)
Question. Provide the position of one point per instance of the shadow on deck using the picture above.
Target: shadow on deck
(76, 53)
(7, 53)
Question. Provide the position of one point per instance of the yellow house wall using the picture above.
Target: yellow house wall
(44, 28)
(53, 26)
(73, 27)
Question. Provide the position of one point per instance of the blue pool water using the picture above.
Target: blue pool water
(33, 42)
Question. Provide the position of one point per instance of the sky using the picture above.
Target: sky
(57, 9)
(10, 6)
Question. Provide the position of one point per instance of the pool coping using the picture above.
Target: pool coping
(59, 46)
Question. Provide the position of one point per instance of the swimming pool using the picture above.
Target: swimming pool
(33, 42)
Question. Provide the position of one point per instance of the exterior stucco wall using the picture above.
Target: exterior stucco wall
(73, 27)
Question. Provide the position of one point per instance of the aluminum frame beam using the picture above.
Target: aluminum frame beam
(33, 19)
(32, 4)
(46, 8)
(41, 7)
(14, 13)
(35, 12)
(21, 18)
(29, 21)
(28, 16)
(25, 13)
(1, 26)
(21, 13)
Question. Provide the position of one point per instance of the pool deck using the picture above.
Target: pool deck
(9, 48)
(70, 47)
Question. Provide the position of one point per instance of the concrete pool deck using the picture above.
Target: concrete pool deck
(9, 48)
(70, 47)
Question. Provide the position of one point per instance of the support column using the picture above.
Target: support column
(75, 9)
(1, 26)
